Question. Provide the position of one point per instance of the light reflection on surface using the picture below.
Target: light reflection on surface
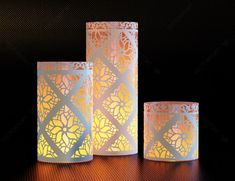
(116, 168)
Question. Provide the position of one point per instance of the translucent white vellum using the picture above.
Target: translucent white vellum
(113, 48)
(171, 131)
(64, 104)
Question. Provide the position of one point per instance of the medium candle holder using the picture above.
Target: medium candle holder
(64, 107)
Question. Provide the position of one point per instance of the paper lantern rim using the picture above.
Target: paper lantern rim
(59, 65)
(171, 106)
(170, 103)
(88, 22)
(112, 25)
(63, 62)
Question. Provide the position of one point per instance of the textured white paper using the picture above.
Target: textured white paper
(64, 102)
(171, 131)
(113, 48)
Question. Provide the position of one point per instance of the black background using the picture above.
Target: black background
(186, 53)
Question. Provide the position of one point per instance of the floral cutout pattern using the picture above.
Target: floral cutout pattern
(85, 149)
(98, 37)
(159, 120)
(64, 83)
(65, 92)
(133, 79)
(102, 129)
(104, 78)
(65, 129)
(180, 136)
(120, 52)
(119, 104)
(132, 129)
(46, 99)
(121, 144)
(44, 148)
(82, 99)
(112, 47)
(159, 151)
(171, 131)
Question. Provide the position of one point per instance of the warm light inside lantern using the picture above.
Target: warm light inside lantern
(64, 111)
(171, 131)
(113, 48)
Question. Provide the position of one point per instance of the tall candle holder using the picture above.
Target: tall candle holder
(113, 48)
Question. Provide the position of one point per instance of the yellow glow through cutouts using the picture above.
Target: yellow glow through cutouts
(113, 48)
(65, 102)
(171, 131)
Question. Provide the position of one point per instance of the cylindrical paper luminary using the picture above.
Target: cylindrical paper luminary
(171, 131)
(64, 103)
(113, 48)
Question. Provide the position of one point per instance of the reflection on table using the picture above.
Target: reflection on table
(116, 168)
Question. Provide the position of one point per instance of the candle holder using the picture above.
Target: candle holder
(171, 131)
(64, 104)
(113, 48)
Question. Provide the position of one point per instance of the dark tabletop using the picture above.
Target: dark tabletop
(115, 168)
(120, 168)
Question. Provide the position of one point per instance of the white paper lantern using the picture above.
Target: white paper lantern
(65, 102)
(113, 48)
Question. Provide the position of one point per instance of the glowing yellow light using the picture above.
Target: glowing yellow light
(64, 102)
(113, 48)
(171, 131)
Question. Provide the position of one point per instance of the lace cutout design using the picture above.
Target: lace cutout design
(171, 131)
(180, 136)
(102, 129)
(65, 129)
(44, 148)
(132, 129)
(113, 48)
(46, 99)
(104, 78)
(119, 104)
(85, 149)
(159, 151)
(65, 114)
(64, 83)
(120, 52)
(121, 144)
